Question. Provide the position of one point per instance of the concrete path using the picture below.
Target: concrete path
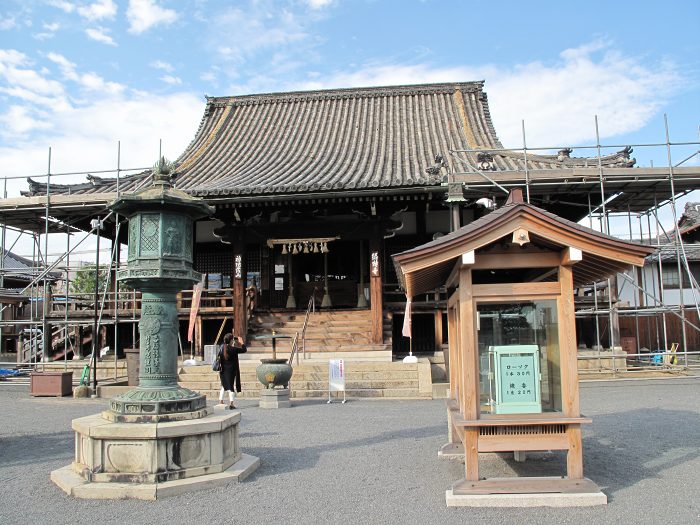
(375, 461)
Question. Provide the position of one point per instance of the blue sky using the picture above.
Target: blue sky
(80, 75)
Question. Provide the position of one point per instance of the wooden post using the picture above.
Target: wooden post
(438, 330)
(240, 314)
(567, 343)
(375, 289)
(453, 344)
(469, 371)
(574, 456)
(569, 370)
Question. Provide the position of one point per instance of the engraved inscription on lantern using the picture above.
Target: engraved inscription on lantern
(133, 238)
(149, 328)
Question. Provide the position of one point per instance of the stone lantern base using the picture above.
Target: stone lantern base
(116, 460)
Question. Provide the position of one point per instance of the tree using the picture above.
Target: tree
(84, 280)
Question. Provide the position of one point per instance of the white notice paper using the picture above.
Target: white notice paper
(279, 283)
(336, 375)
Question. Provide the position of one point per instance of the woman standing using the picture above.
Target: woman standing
(230, 367)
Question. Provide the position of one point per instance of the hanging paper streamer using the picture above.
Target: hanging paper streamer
(406, 332)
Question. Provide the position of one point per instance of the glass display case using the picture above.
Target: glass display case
(519, 357)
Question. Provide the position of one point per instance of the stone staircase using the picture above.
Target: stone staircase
(329, 334)
(310, 380)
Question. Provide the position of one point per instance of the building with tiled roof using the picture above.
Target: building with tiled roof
(315, 190)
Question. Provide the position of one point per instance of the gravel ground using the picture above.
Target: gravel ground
(375, 462)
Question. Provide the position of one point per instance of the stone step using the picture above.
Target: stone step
(391, 367)
(309, 377)
(391, 384)
(399, 393)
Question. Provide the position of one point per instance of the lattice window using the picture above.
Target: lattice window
(149, 233)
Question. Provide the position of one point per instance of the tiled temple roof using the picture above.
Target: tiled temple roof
(341, 139)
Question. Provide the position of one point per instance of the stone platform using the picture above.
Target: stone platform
(116, 460)
(525, 492)
(274, 398)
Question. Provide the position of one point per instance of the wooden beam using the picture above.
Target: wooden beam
(492, 261)
(570, 256)
(515, 289)
(453, 279)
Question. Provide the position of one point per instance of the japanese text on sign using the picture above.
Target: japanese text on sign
(518, 381)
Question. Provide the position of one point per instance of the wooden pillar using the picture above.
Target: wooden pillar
(375, 288)
(438, 330)
(240, 314)
(569, 371)
(452, 343)
(567, 343)
(469, 371)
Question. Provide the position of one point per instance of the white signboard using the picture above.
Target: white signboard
(279, 283)
(336, 377)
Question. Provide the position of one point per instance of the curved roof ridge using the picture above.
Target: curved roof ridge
(356, 92)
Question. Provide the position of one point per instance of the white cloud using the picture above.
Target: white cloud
(172, 80)
(100, 34)
(162, 65)
(558, 101)
(7, 22)
(208, 76)
(318, 4)
(98, 10)
(66, 7)
(88, 81)
(16, 74)
(20, 120)
(50, 31)
(84, 139)
(144, 14)
(137, 120)
(260, 26)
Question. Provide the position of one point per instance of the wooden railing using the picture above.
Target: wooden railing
(212, 301)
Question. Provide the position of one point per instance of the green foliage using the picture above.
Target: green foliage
(84, 280)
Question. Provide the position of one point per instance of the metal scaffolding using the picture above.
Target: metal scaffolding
(648, 311)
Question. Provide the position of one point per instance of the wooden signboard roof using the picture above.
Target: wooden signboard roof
(428, 266)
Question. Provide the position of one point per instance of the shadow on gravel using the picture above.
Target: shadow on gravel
(629, 447)
(280, 460)
(27, 449)
(625, 448)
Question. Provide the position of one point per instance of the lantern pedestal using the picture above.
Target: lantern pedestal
(150, 460)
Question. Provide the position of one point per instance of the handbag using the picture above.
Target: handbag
(216, 365)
